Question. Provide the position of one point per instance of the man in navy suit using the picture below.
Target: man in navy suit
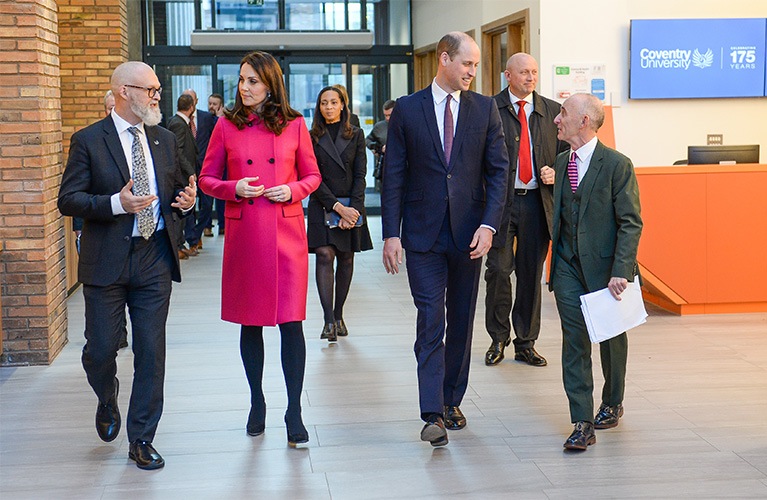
(203, 128)
(445, 185)
(123, 178)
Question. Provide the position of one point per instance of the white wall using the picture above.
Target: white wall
(650, 132)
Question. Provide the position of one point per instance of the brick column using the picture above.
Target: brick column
(94, 41)
(31, 228)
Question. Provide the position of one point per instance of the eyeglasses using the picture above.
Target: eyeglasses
(150, 91)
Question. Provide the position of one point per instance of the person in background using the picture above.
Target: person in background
(179, 124)
(201, 123)
(354, 120)
(596, 229)
(216, 104)
(376, 140)
(109, 102)
(124, 180)
(444, 194)
(340, 151)
(523, 239)
(267, 150)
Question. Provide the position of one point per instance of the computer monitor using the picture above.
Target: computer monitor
(712, 155)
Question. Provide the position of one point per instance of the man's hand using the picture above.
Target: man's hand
(134, 204)
(186, 198)
(392, 255)
(547, 175)
(481, 243)
(243, 189)
(617, 286)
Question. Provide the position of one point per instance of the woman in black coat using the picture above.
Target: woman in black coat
(340, 151)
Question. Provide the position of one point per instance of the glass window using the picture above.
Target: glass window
(228, 79)
(171, 22)
(238, 15)
(323, 15)
(176, 79)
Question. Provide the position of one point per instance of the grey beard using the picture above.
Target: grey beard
(150, 116)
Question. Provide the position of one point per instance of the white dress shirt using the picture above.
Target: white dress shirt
(583, 157)
(518, 184)
(126, 140)
(440, 98)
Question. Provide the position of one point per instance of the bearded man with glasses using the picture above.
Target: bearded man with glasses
(123, 178)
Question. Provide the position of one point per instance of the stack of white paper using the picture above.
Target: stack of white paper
(607, 318)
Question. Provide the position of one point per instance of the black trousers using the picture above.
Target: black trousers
(144, 286)
(528, 229)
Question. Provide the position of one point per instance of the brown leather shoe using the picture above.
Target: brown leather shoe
(608, 416)
(582, 437)
(190, 252)
(182, 255)
(531, 357)
(198, 246)
(207, 232)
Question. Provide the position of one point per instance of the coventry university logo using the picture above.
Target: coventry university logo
(702, 60)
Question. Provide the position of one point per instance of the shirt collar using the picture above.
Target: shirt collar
(122, 125)
(440, 95)
(515, 99)
(183, 116)
(584, 152)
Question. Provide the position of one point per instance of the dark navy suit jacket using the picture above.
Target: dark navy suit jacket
(419, 186)
(205, 123)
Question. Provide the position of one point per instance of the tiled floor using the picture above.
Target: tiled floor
(695, 423)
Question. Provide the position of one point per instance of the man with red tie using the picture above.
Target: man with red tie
(523, 238)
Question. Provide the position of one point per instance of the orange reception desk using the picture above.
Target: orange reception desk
(704, 244)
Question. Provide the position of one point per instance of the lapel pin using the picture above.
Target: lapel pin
(156, 142)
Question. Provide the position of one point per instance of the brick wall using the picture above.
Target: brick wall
(31, 229)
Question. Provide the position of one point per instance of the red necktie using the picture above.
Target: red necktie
(572, 172)
(194, 127)
(525, 161)
(448, 128)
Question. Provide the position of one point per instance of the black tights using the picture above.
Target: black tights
(343, 279)
(293, 353)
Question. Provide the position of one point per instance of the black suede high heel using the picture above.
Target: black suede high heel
(256, 421)
(297, 433)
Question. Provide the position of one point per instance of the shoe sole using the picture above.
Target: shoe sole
(434, 435)
(605, 426)
(146, 467)
(254, 433)
(294, 444)
(454, 427)
(523, 360)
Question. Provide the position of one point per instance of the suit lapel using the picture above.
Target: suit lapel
(341, 143)
(587, 183)
(464, 118)
(330, 148)
(431, 124)
(116, 148)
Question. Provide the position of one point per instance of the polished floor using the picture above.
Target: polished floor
(695, 423)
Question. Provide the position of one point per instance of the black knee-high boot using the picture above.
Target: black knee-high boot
(252, 352)
(293, 353)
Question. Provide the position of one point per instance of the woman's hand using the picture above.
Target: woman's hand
(349, 214)
(279, 194)
(344, 224)
(243, 189)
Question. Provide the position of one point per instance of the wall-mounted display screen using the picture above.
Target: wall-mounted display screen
(693, 58)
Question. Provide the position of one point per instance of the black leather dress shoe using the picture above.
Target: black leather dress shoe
(454, 418)
(608, 416)
(329, 332)
(434, 431)
(145, 456)
(341, 329)
(108, 417)
(531, 357)
(494, 354)
(582, 436)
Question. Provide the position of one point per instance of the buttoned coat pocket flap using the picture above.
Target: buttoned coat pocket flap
(233, 211)
(414, 195)
(293, 210)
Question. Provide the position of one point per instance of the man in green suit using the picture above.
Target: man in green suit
(596, 229)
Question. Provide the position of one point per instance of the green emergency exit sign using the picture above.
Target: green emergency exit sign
(563, 70)
(256, 2)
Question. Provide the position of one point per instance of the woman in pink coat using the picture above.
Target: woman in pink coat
(266, 149)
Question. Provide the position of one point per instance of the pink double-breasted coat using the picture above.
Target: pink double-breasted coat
(266, 267)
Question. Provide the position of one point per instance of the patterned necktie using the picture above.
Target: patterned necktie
(145, 218)
(193, 126)
(448, 128)
(572, 172)
(525, 160)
